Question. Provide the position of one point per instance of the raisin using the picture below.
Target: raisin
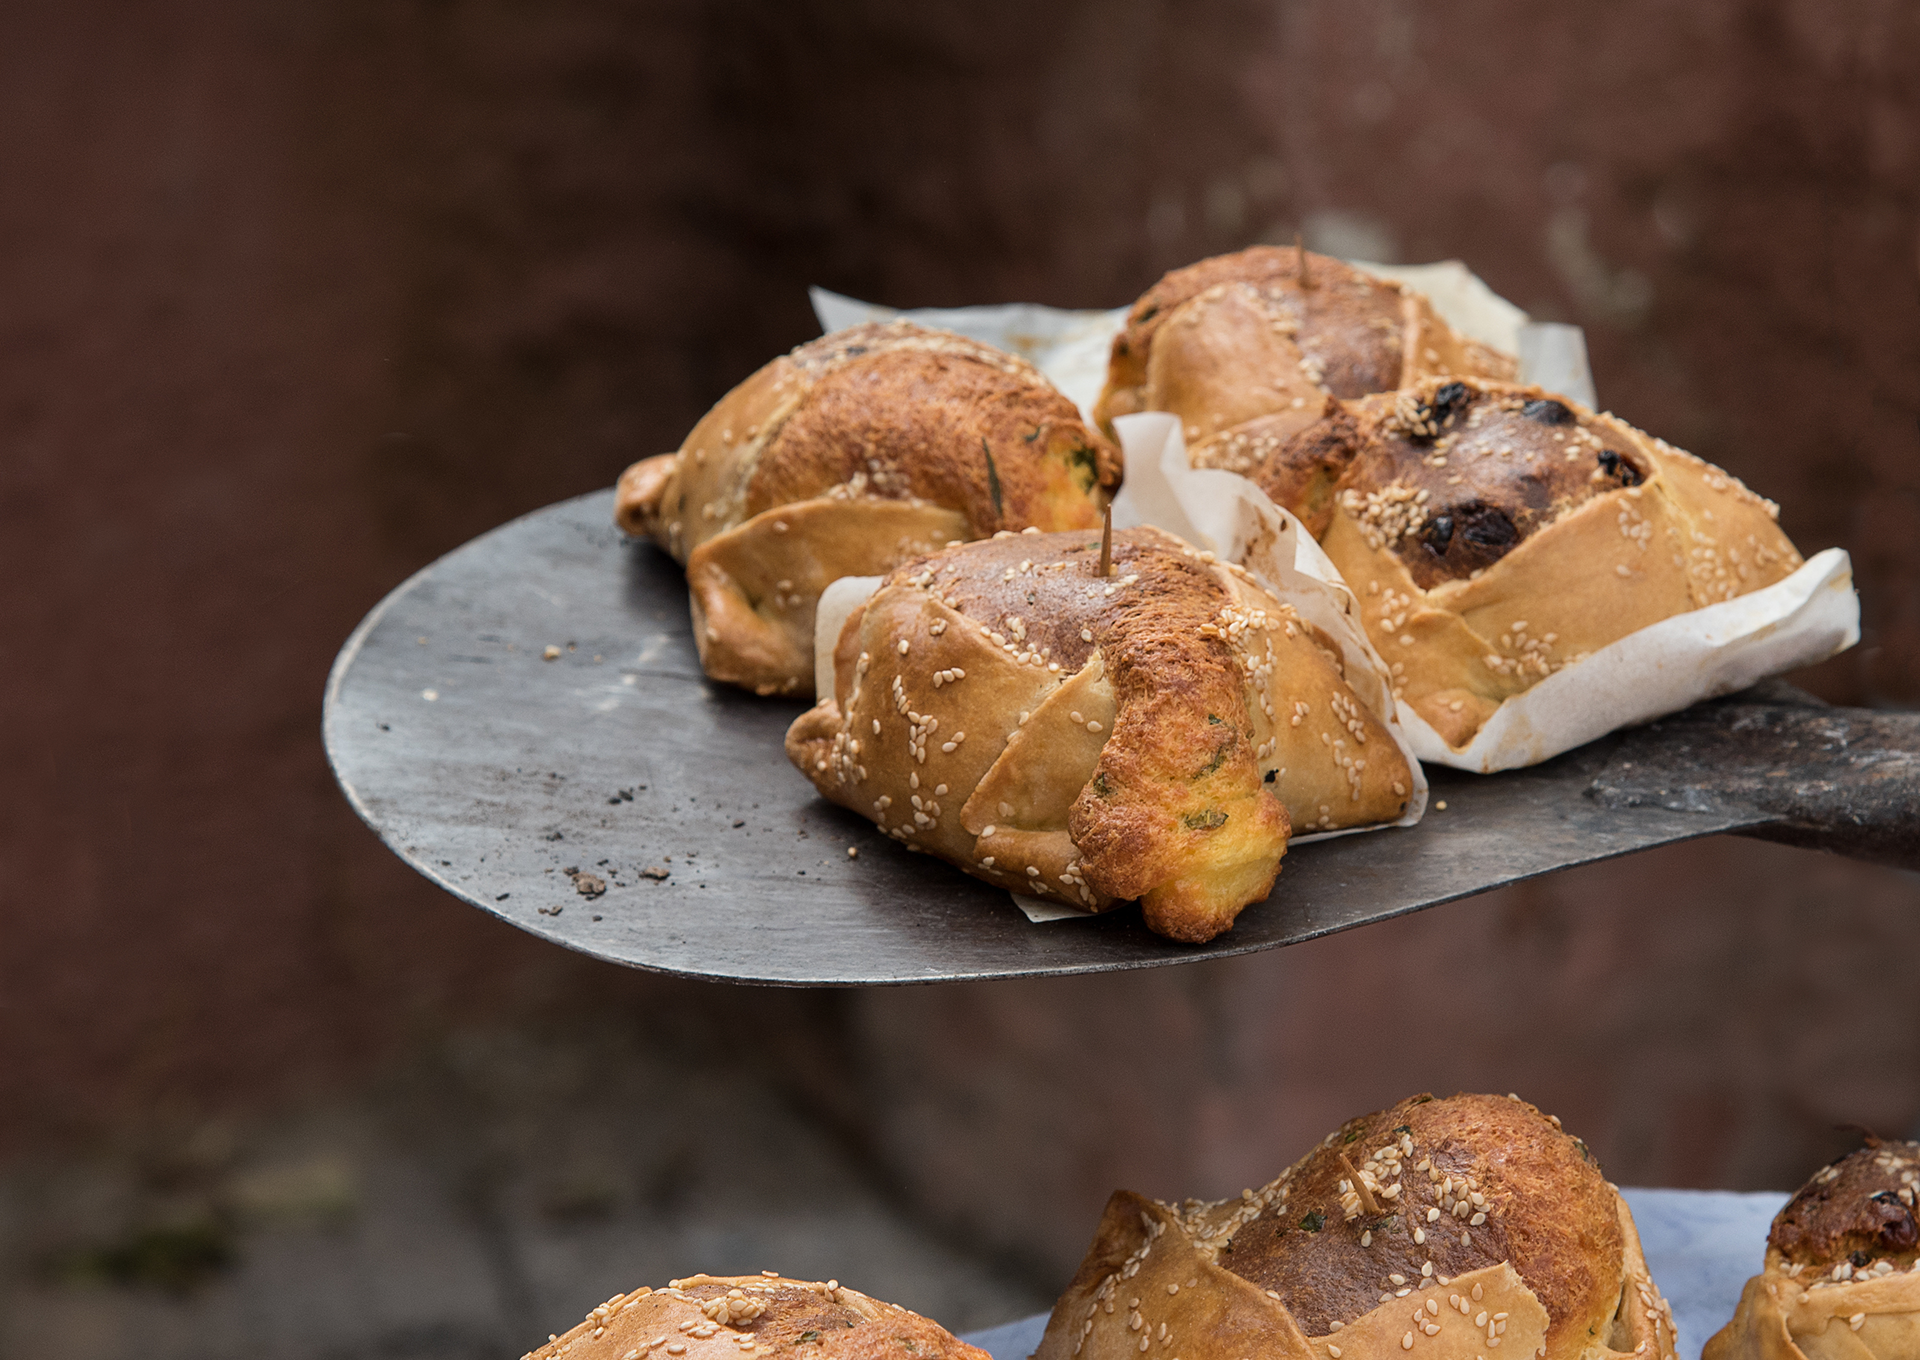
(1487, 526)
(1614, 465)
(1547, 411)
(1440, 533)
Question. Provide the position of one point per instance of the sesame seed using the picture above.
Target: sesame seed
(1406, 1342)
(903, 646)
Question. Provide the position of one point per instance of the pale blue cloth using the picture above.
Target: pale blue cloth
(1701, 1246)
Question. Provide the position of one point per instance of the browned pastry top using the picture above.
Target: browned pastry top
(706, 1317)
(939, 424)
(1457, 474)
(1045, 587)
(1857, 1209)
(1348, 323)
(1508, 1186)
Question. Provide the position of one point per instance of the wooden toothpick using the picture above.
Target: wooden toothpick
(1300, 247)
(1368, 1203)
(1106, 539)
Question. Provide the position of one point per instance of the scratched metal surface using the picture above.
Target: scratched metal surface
(494, 772)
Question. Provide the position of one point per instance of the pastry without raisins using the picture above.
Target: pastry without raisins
(846, 457)
(1155, 734)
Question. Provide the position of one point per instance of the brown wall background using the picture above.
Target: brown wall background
(295, 298)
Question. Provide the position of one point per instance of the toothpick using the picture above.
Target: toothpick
(1300, 247)
(1367, 1201)
(1106, 539)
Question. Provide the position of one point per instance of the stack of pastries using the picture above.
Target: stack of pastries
(1494, 532)
(1161, 734)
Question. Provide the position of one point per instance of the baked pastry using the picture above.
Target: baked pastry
(1442, 1228)
(1156, 734)
(725, 1317)
(1495, 533)
(845, 458)
(1245, 351)
(1840, 1279)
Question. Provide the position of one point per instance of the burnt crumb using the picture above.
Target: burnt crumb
(1617, 465)
(1439, 533)
(1271, 774)
(1547, 411)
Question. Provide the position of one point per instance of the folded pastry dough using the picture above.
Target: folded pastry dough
(844, 458)
(1153, 734)
(1469, 1228)
(1245, 351)
(1494, 533)
(1839, 1281)
(726, 1317)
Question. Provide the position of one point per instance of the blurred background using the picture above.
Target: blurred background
(295, 298)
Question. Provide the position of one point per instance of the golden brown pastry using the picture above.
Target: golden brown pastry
(1154, 734)
(1839, 1281)
(726, 1317)
(844, 458)
(1245, 355)
(1469, 1228)
(1494, 533)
